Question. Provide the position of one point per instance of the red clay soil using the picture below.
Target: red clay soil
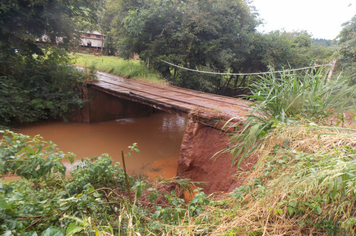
(199, 144)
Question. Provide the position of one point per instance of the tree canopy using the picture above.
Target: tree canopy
(205, 34)
(24, 21)
(347, 48)
(209, 35)
(35, 82)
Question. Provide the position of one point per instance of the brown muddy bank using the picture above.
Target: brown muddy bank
(199, 144)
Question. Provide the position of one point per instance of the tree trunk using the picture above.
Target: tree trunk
(242, 84)
(235, 82)
(174, 74)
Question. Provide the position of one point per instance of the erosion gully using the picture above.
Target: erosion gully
(158, 136)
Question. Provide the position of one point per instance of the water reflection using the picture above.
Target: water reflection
(159, 138)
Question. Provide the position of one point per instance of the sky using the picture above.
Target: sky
(320, 18)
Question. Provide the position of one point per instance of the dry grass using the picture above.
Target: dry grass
(303, 189)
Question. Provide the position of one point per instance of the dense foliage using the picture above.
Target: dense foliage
(38, 88)
(22, 22)
(91, 200)
(285, 50)
(35, 82)
(347, 49)
(208, 35)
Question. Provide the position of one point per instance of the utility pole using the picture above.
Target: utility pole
(332, 68)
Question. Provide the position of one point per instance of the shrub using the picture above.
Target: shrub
(34, 88)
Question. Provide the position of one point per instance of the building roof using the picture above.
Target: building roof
(92, 32)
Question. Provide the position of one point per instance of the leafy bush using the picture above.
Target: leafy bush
(34, 88)
(92, 200)
(96, 172)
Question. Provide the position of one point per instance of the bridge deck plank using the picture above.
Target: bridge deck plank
(203, 104)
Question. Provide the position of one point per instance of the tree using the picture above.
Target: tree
(35, 82)
(198, 34)
(110, 22)
(209, 35)
(347, 49)
(24, 21)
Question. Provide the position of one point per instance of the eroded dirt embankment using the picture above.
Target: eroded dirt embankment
(199, 144)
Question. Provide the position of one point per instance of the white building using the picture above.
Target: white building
(92, 39)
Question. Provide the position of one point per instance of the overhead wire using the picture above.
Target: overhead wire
(243, 74)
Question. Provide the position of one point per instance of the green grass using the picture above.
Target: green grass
(290, 97)
(131, 69)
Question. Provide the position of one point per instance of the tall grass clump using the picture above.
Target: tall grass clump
(290, 97)
(134, 69)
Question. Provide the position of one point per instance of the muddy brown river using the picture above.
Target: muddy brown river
(158, 137)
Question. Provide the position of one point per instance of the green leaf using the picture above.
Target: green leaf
(194, 200)
(7, 233)
(53, 231)
(29, 234)
(318, 209)
(290, 210)
(153, 197)
(293, 203)
(166, 217)
(71, 159)
(3, 204)
(72, 229)
(156, 214)
(278, 211)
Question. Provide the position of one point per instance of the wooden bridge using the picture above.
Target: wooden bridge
(113, 97)
(212, 109)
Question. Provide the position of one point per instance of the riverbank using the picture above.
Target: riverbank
(302, 184)
(304, 176)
